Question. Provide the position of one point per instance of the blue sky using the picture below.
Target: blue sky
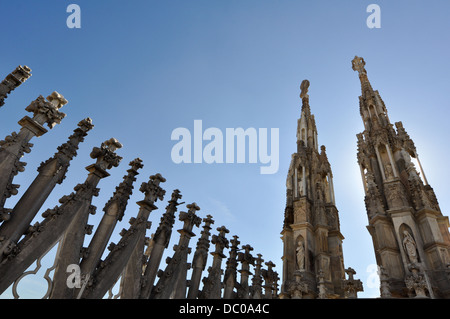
(141, 69)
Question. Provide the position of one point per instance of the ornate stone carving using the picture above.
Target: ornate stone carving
(385, 291)
(47, 110)
(298, 286)
(304, 89)
(12, 81)
(351, 285)
(270, 280)
(416, 282)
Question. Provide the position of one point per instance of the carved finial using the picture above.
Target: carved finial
(47, 110)
(13, 80)
(220, 241)
(86, 124)
(152, 190)
(358, 65)
(57, 99)
(136, 164)
(189, 218)
(193, 207)
(304, 89)
(112, 144)
(350, 272)
(235, 241)
(106, 158)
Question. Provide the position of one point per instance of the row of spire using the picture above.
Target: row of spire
(136, 259)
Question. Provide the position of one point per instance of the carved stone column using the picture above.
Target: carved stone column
(256, 288)
(270, 278)
(114, 212)
(70, 250)
(322, 289)
(229, 279)
(51, 172)
(172, 282)
(212, 285)
(385, 291)
(42, 236)
(159, 243)
(15, 145)
(12, 81)
(246, 259)
(122, 256)
(131, 283)
(200, 258)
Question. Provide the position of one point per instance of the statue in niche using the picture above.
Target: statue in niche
(300, 255)
(410, 247)
(388, 171)
(300, 187)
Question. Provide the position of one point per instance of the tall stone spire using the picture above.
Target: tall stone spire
(125, 257)
(200, 258)
(70, 249)
(12, 81)
(159, 243)
(172, 282)
(256, 288)
(114, 212)
(409, 232)
(311, 233)
(230, 277)
(270, 279)
(246, 259)
(44, 235)
(212, 285)
(51, 172)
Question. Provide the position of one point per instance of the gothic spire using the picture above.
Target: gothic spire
(12, 81)
(42, 236)
(51, 172)
(358, 64)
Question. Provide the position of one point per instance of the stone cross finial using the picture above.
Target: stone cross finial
(235, 242)
(85, 124)
(189, 218)
(176, 195)
(220, 241)
(47, 110)
(112, 144)
(304, 89)
(358, 65)
(351, 285)
(152, 190)
(106, 158)
(193, 207)
(246, 256)
(57, 100)
(350, 272)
